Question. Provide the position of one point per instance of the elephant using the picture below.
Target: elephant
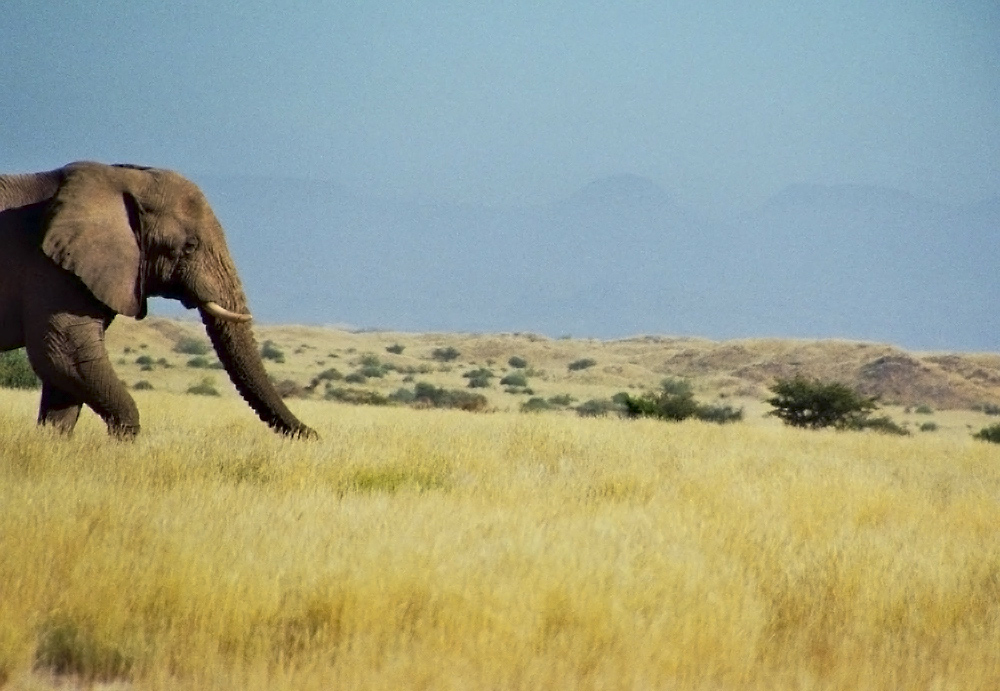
(84, 243)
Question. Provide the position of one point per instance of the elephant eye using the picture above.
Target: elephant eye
(190, 245)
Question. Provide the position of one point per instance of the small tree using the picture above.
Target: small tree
(813, 404)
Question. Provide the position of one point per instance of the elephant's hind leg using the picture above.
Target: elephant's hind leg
(58, 409)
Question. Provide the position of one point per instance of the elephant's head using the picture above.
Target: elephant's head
(128, 233)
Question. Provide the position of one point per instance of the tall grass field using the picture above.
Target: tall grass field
(438, 549)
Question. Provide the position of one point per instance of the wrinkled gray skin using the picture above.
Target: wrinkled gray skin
(84, 243)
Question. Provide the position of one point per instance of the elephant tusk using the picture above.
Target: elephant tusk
(220, 312)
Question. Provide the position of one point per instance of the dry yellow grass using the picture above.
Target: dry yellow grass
(440, 549)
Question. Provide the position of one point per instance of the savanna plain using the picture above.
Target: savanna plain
(443, 549)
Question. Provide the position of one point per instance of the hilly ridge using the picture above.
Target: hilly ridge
(737, 369)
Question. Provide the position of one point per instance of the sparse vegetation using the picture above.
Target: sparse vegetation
(395, 349)
(581, 364)
(142, 385)
(517, 362)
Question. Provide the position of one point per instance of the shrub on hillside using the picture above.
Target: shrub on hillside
(16, 372)
(536, 404)
(581, 364)
(675, 402)
(205, 387)
(269, 351)
(356, 396)
(814, 404)
(432, 396)
(514, 379)
(445, 354)
(990, 434)
(479, 378)
(518, 362)
(289, 388)
(395, 349)
(599, 407)
(142, 385)
(192, 346)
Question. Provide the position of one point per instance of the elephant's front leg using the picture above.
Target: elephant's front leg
(70, 358)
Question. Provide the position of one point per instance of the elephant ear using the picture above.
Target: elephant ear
(91, 231)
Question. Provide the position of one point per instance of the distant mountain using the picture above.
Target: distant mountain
(620, 257)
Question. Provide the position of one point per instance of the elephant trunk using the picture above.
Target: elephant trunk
(235, 345)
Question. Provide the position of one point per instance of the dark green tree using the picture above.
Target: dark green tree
(813, 404)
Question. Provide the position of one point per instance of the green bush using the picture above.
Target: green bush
(518, 362)
(598, 407)
(205, 387)
(192, 346)
(199, 362)
(535, 404)
(426, 394)
(563, 399)
(144, 360)
(990, 434)
(583, 363)
(269, 351)
(514, 379)
(479, 378)
(929, 427)
(356, 396)
(445, 354)
(142, 385)
(814, 404)
(675, 402)
(924, 410)
(395, 349)
(16, 372)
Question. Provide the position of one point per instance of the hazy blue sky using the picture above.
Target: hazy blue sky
(723, 103)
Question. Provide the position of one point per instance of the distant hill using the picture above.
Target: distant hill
(739, 370)
(621, 257)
